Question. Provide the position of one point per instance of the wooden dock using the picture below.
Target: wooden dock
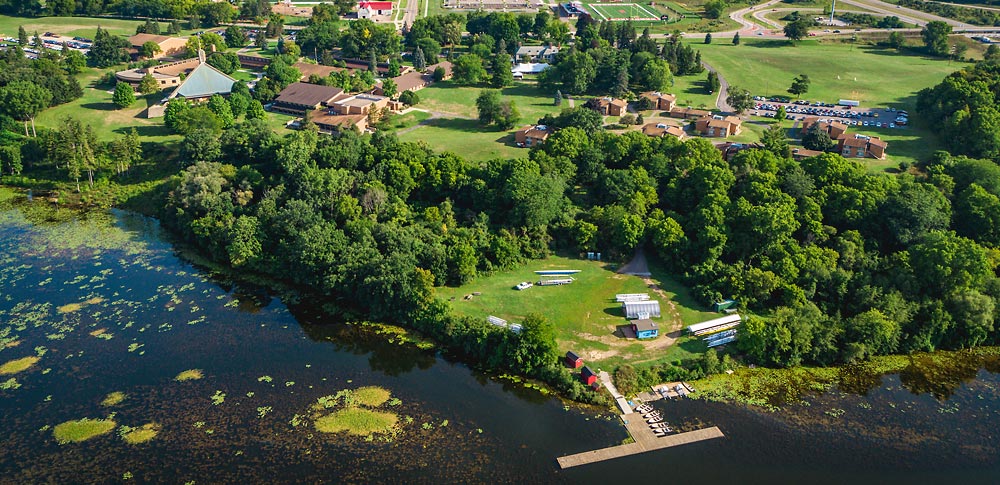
(645, 441)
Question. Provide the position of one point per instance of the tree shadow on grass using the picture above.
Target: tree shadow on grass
(694, 346)
(145, 130)
(100, 106)
(456, 124)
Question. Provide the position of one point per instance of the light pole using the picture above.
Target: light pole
(833, 8)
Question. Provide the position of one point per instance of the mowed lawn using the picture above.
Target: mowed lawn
(71, 26)
(874, 76)
(690, 91)
(457, 128)
(96, 109)
(584, 313)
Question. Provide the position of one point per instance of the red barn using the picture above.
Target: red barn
(573, 360)
(367, 10)
(588, 376)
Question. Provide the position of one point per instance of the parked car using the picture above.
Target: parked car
(524, 285)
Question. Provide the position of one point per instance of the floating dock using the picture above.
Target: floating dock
(645, 441)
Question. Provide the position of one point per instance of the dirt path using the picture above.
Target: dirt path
(637, 266)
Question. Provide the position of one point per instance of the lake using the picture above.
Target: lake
(106, 304)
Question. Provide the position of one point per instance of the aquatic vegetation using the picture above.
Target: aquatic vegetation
(113, 399)
(142, 434)
(289, 383)
(264, 379)
(218, 398)
(18, 365)
(444, 423)
(357, 421)
(73, 307)
(127, 476)
(189, 375)
(263, 411)
(9, 384)
(372, 396)
(82, 430)
(132, 347)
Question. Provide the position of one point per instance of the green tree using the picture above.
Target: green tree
(797, 29)
(913, 210)
(218, 105)
(775, 142)
(149, 49)
(800, 85)
(389, 88)
(736, 39)
(558, 98)
(712, 83)
(22, 36)
(201, 145)
(992, 53)
(935, 35)
(817, 138)
(10, 159)
(715, 8)
(107, 50)
(256, 111)
(125, 151)
(896, 40)
(509, 115)
(740, 99)
(419, 62)
(73, 146)
(409, 98)
(780, 115)
(124, 95)
(23, 100)
(502, 75)
(708, 38)
(488, 105)
(468, 69)
(236, 37)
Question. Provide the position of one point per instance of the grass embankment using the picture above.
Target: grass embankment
(19, 365)
(772, 388)
(82, 430)
(585, 315)
(357, 421)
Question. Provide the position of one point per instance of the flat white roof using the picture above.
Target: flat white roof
(714, 323)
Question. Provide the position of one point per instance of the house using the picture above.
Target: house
(169, 46)
(347, 111)
(536, 53)
(719, 126)
(572, 10)
(835, 129)
(659, 130)
(688, 113)
(248, 61)
(641, 309)
(298, 98)
(531, 136)
(166, 75)
(588, 376)
(609, 106)
(573, 360)
(803, 153)
(645, 328)
(862, 146)
(367, 10)
(660, 101)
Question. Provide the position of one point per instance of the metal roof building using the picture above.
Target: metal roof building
(641, 309)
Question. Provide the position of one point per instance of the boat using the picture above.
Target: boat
(656, 414)
(557, 272)
(643, 408)
(654, 420)
(660, 425)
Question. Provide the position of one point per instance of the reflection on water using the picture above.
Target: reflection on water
(134, 316)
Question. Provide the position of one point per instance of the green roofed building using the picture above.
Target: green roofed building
(203, 82)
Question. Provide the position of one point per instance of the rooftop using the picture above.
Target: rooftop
(305, 94)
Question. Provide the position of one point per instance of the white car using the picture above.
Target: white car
(524, 285)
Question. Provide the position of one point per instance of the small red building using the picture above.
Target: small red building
(588, 376)
(573, 360)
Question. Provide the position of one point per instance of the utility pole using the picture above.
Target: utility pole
(833, 8)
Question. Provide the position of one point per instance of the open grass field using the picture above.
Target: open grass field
(72, 26)
(465, 137)
(690, 91)
(874, 76)
(585, 315)
(622, 11)
(458, 130)
(447, 97)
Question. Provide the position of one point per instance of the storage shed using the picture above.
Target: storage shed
(641, 309)
(573, 360)
(645, 328)
(588, 376)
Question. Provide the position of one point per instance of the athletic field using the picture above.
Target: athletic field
(621, 11)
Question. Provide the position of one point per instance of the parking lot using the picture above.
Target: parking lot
(848, 115)
(52, 41)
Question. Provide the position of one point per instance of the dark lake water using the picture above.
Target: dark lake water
(109, 306)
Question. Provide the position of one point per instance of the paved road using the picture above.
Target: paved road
(905, 14)
(720, 100)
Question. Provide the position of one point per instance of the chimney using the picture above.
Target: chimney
(201, 56)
